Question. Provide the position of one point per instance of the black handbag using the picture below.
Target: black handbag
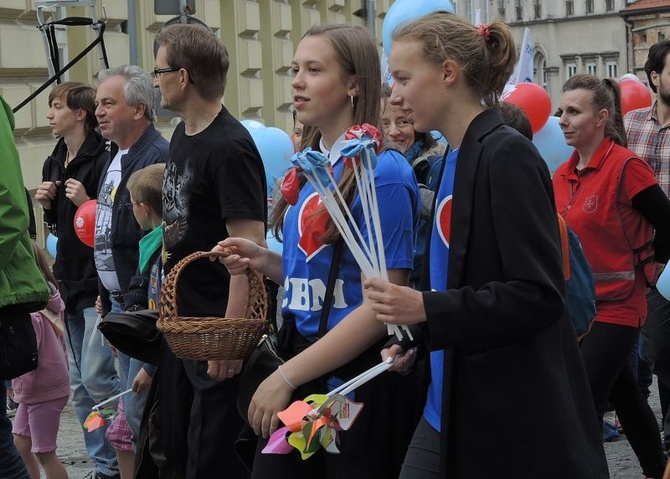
(263, 361)
(18, 346)
(133, 333)
(266, 359)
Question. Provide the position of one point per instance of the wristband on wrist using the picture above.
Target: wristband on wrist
(285, 378)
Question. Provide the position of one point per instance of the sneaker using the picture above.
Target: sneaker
(11, 407)
(99, 475)
(610, 431)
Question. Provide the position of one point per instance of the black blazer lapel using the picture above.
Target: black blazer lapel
(467, 167)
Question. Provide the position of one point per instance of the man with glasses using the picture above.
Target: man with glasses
(214, 188)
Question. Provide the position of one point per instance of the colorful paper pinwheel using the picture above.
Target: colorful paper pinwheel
(99, 417)
(314, 422)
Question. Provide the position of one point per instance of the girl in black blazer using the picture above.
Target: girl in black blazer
(503, 351)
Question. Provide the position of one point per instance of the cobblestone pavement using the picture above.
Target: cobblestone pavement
(622, 462)
(71, 449)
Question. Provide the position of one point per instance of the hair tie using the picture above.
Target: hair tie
(483, 31)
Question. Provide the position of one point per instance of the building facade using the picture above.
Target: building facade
(569, 36)
(260, 35)
(604, 37)
(647, 22)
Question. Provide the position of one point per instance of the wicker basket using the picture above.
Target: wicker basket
(210, 338)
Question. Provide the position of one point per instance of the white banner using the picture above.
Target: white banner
(523, 72)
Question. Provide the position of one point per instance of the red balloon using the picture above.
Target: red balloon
(634, 95)
(84, 222)
(533, 100)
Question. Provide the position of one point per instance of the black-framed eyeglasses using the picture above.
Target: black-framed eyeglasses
(159, 71)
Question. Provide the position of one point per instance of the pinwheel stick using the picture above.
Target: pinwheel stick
(108, 400)
(363, 378)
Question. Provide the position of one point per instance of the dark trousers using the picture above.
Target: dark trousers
(656, 347)
(199, 421)
(11, 465)
(606, 350)
(423, 456)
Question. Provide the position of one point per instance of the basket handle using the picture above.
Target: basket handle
(173, 276)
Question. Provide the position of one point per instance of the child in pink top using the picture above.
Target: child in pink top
(43, 393)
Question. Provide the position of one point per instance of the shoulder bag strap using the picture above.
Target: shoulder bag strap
(565, 246)
(330, 287)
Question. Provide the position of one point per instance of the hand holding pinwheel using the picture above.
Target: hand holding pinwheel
(314, 422)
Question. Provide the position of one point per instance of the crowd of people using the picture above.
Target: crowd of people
(471, 243)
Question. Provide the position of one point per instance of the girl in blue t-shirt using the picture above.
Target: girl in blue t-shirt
(336, 85)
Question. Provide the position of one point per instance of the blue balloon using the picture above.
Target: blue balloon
(273, 243)
(52, 241)
(550, 142)
(253, 126)
(439, 137)
(404, 11)
(276, 149)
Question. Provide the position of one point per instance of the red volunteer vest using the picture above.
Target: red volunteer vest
(616, 238)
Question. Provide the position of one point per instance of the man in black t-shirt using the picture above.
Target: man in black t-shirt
(214, 188)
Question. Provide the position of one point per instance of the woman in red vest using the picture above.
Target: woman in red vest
(612, 200)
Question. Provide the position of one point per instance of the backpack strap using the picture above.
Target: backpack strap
(565, 246)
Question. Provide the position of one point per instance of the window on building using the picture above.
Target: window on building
(544, 76)
(569, 7)
(612, 69)
(588, 6)
(592, 68)
(609, 5)
(571, 70)
(519, 9)
(537, 9)
(501, 9)
(661, 36)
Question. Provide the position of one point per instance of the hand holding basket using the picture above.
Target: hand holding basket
(210, 337)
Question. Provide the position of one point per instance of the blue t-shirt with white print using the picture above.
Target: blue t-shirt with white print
(307, 260)
(439, 262)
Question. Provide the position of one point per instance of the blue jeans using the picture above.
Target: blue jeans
(11, 465)
(93, 378)
(133, 403)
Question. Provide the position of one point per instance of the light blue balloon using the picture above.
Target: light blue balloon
(276, 149)
(253, 126)
(273, 243)
(550, 142)
(439, 137)
(404, 11)
(52, 241)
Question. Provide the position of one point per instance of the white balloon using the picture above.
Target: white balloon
(629, 76)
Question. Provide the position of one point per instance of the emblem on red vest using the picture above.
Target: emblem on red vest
(591, 204)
